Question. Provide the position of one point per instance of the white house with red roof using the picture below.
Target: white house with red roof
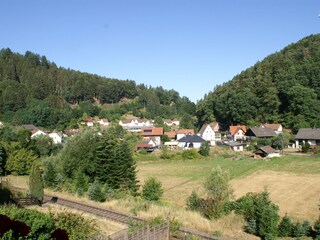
(238, 132)
(135, 125)
(207, 133)
(103, 122)
(184, 132)
(89, 122)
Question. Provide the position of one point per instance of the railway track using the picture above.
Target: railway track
(122, 217)
(102, 212)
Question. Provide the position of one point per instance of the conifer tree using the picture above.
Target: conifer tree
(49, 176)
(36, 183)
(80, 182)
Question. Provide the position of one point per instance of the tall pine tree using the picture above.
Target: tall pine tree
(36, 183)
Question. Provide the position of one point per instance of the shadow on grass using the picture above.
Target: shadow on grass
(6, 196)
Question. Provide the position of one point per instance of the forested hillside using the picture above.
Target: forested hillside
(34, 90)
(283, 88)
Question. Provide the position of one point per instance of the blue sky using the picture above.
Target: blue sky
(186, 45)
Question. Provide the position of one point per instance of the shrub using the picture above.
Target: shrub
(152, 189)
(316, 228)
(251, 226)
(298, 230)
(95, 192)
(165, 153)
(285, 227)
(194, 202)
(258, 207)
(305, 147)
(189, 154)
(204, 149)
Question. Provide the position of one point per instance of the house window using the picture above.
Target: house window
(147, 130)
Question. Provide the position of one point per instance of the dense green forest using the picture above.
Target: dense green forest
(34, 90)
(283, 88)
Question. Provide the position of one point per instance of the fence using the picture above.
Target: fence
(159, 232)
(27, 201)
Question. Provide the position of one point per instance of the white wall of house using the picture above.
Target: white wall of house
(55, 137)
(38, 133)
(239, 135)
(271, 155)
(237, 148)
(182, 145)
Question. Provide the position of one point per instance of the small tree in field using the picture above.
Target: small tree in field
(36, 182)
(205, 149)
(152, 189)
(95, 192)
(218, 190)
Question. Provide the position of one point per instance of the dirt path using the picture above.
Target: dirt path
(296, 195)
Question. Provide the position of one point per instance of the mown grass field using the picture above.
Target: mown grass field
(293, 181)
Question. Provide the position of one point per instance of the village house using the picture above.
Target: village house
(208, 134)
(89, 122)
(236, 146)
(148, 145)
(260, 132)
(184, 132)
(103, 122)
(37, 132)
(152, 133)
(190, 141)
(266, 152)
(135, 125)
(238, 133)
(276, 127)
(171, 122)
(309, 135)
(215, 126)
(56, 137)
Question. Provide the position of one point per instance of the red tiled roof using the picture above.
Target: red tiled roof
(170, 134)
(155, 131)
(186, 131)
(234, 129)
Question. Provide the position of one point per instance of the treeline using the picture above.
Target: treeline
(34, 90)
(283, 88)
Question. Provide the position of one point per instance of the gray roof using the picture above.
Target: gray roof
(191, 138)
(268, 149)
(30, 127)
(308, 133)
(261, 132)
(235, 144)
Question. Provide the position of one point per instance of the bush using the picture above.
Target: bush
(152, 189)
(194, 202)
(298, 230)
(305, 147)
(204, 149)
(316, 228)
(165, 153)
(258, 207)
(189, 154)
(285, 227)
(251, 226)
(95, 192)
